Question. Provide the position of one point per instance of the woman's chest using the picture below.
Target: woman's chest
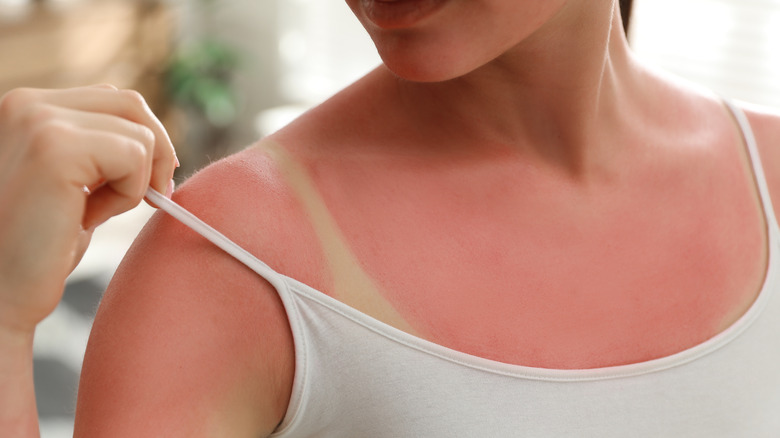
(557, 279)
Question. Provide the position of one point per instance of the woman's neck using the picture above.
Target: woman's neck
(559, 94)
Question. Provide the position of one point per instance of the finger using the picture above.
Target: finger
(106, 86)
(110, 124)
(104, 203)
(82, 243)
(126, 104)
(84, 157)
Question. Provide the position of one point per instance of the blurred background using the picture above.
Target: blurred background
(222, 73)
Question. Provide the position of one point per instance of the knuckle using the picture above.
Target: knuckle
(16, 100)
(147, 135)
(40, 123)
(134, 98)
(134, 106)
(47, 139)
(135, 152)
(132, 155)
(40, 114)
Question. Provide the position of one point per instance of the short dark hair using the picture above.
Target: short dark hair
(625, 12)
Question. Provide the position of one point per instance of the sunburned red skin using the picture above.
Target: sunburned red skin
(496, 253)
(500, 260)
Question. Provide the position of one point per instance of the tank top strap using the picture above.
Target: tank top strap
(749, 140)
(215, 237)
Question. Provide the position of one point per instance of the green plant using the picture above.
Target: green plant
(199, 77)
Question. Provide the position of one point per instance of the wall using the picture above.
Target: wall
(296, 52)
(730, 46)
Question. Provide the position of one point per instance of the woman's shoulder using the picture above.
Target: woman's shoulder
(184, 321)
(246, 196)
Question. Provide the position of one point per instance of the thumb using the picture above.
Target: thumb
(82, 243)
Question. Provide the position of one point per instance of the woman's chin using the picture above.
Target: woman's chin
(427, 70)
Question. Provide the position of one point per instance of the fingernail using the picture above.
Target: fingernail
(169, 190)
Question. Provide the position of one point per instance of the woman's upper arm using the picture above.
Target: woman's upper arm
(187, 342)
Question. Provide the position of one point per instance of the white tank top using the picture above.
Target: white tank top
(358, 377)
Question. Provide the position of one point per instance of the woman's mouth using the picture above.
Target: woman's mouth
(398, 14)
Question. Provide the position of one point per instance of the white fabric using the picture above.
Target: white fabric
(358, 377)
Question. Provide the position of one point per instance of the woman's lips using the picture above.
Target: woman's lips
(397, 14)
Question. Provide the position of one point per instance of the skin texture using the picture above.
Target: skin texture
(513, 183)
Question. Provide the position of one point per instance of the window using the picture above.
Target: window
(730, 46)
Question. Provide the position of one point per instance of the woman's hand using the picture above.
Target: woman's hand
(69, 160)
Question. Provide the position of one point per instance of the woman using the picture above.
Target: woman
(511, 228)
